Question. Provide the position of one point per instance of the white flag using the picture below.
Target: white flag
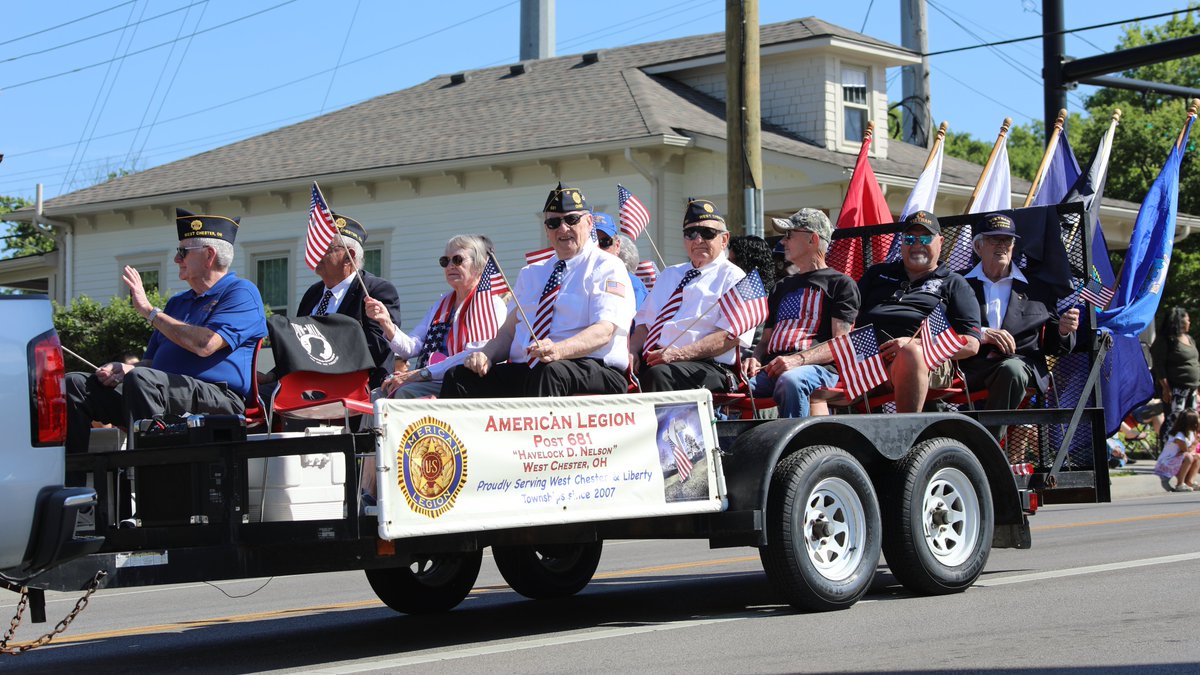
(924, 193)
(995, 194)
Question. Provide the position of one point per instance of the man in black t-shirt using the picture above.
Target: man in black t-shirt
(805, 311)
(897, 297)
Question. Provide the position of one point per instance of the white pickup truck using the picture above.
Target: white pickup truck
(37, 514)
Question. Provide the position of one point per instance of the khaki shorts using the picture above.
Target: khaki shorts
(942, 376)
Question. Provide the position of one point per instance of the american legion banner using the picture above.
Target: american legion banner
(467, 465)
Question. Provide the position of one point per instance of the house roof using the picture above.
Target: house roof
(492, 113)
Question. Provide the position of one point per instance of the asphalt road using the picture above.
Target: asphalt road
(1106, 588)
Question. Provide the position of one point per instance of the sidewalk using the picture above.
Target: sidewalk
(1142, 484)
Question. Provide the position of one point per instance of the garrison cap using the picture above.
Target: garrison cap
(702, 213)
(349, 227)
(926, 220)
(192, 226)
(564, 200)
(805, 220)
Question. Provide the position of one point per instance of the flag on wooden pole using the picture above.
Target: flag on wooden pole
(321, 229)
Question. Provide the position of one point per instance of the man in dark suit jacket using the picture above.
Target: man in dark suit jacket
(340, 291)
(1020, 324)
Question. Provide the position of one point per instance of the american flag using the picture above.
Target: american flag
(538, 256)
(321, 229)
(798, 320)
(938, 340)
(494, 277)
(647, 271)
(479, 316)
(1096, 293)
(745, 305)
(631, 214)
(858, 360)
(681, 461)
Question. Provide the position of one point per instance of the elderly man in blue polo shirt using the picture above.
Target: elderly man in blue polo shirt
(199, 356)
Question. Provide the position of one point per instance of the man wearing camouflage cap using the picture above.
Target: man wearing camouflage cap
(805, 311)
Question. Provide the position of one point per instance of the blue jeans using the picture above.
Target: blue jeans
(792, 390)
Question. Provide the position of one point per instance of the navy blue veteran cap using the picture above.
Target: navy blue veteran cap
(926, 220)
(702, 213)
(564, 200)
(192, 226)
(996, 224)
(349, 227)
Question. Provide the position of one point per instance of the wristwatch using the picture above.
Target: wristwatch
(153, 313)
(425, 374)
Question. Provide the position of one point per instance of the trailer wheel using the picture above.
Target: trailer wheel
(431, 584)
(546, 571)
(823, 529)
(939, 514)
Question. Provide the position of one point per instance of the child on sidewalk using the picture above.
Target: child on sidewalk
(1178, 459)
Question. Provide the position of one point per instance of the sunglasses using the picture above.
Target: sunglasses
(445, 261)
(571, 219)
(707, 233)
(910, 239)
(604, 242)
(181, 252)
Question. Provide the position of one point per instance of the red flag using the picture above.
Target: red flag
(321, 229)
(864, 205)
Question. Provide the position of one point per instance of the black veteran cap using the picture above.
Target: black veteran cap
(926, 220)
(564, 200)
(350, 227)
(192, 226)
(996, 224)
(701, 212)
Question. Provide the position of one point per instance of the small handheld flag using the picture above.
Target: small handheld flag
(647, 272)
(631, 213)
(321, 229)
(859, 361)
(745, 305)
(1096, 293)
(939, 341)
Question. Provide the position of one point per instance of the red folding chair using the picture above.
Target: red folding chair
(256, 410)
(319, 396)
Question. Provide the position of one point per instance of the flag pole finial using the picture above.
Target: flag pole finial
(1194, 107)
(1116, 116)
(869, 132)
(942, 129)
(1062, 118)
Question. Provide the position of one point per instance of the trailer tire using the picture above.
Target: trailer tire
(940, 519)
(823, 529)
(547, 571)
(431, 584)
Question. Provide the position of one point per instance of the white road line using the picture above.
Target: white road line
(365, 665)
(1090, 569)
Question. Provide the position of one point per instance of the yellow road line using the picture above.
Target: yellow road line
(1117, 521)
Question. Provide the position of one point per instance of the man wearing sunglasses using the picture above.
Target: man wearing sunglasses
(609, 241)
(898, 296)
(339, 292)
(804, 312)
(201, 348)
(580, 306)
(1020, 324)
(680, 337)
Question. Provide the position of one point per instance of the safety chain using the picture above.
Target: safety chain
(92, 586)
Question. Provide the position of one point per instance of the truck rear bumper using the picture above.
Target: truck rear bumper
(54, 539)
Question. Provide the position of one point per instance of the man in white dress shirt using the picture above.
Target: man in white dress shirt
(681, 339)
(580, 305)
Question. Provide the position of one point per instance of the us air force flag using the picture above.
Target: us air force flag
(333, 344)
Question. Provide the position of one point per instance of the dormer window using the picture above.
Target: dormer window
(854, 103)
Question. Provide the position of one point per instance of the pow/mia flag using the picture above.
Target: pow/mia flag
(332, 344)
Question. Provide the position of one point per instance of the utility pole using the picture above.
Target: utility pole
(743, 117)
(1054, 97)
(914, 34)
(537, 29)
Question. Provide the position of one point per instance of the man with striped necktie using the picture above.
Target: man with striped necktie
(805, 311)
(580, 305)
(681, 340)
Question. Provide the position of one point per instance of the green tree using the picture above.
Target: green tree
(101, 333)
(23, 238)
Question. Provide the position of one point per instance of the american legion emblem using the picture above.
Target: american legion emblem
(432, 466)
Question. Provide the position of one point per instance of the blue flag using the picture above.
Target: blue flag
(1060, 176)
(1144, 272)
(1125, 381)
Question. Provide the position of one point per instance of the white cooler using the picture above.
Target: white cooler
(296, 487)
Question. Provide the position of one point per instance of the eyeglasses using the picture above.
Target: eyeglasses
(910, 239)
(445, 261)
(998, 240)
(182, 251)
(570, 219)
(707, 233)
(604, 242)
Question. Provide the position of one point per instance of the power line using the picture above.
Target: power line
(67, 23)
(144, 50)
(170, 85)
(870, 5)
(97, 35)
(641, 38)
(154, 92)
(337, 64)
(998, 102)
(1069, 31)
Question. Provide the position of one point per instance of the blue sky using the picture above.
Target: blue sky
(255, 65)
